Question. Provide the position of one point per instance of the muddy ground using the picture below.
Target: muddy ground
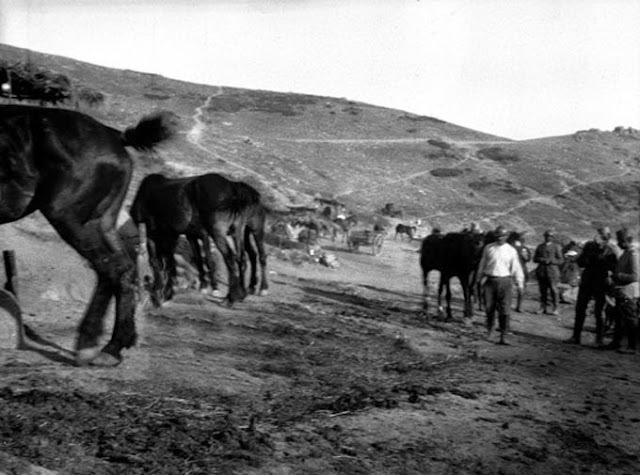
(336, 371)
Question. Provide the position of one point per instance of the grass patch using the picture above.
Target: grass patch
(439, 143)
(498, 154)
(262, 101)
(446, 172)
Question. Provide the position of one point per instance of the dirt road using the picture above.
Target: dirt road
(334, 372)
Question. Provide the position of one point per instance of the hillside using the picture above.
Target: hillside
(295, 146)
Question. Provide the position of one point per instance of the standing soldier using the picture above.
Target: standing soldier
(549, 258)
(624, 287)
(598, 258)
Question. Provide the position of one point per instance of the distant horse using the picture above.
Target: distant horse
(76, 172)
(401, 229)
(200, 207)
(454, 255)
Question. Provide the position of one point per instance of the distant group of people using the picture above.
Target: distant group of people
(610, 274)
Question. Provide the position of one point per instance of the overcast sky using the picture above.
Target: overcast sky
(515, 68)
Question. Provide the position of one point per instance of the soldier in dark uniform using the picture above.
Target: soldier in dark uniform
(598, 259)
(549, 258)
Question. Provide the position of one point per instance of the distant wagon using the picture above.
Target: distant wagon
(365, 237)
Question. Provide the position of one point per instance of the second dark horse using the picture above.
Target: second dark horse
(454, 255)
(199, 207)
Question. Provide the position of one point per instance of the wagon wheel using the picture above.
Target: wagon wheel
(377, 244)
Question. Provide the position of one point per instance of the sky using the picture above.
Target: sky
(514, 68)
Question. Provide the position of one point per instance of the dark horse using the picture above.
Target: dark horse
(76, 172)
(164, 206)
(454, 255)
(404, 229)
(199, 207)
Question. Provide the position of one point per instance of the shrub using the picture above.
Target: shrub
(439, 143)
(35, 83)
(446, 172)
(498, 154)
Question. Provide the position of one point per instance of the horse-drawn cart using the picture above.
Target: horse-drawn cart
(365, 237)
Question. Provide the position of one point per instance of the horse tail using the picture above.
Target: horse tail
(151, 130)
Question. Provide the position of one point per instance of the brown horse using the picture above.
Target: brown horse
(76, 172)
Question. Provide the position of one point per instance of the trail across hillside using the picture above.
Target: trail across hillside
(195, 135)
(551, 199)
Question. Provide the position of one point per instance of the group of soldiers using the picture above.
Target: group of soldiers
(609, 278)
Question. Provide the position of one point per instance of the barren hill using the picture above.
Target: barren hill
(294, 146)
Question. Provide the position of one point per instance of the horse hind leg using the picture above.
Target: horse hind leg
(116, 277)
(448, 297)
(211, 265)
(253, 260)
(262, 259)
(425, 291)
(219, 236)
(98, 241)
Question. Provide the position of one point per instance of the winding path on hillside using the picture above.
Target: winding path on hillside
(551, 200)
(194, 135)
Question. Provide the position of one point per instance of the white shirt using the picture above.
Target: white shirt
(501, 260)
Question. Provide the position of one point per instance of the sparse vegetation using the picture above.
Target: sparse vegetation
(32, 82)
(89, 96)
(446, 172)
(421, 118)
(439, 143)
(498, 154)
(263, 101)
(497, 185)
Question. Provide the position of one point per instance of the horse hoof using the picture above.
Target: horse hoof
(105, 360)
(263, 292)
(216, 293)
(86, 356)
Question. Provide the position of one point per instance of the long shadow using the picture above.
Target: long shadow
(334, 248)
(63, 355)
(341, 297)
(388, 291)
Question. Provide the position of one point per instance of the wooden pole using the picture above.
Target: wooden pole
(9, 295)
(11, 272)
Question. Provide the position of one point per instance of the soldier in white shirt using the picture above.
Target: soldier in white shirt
(498, 268)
